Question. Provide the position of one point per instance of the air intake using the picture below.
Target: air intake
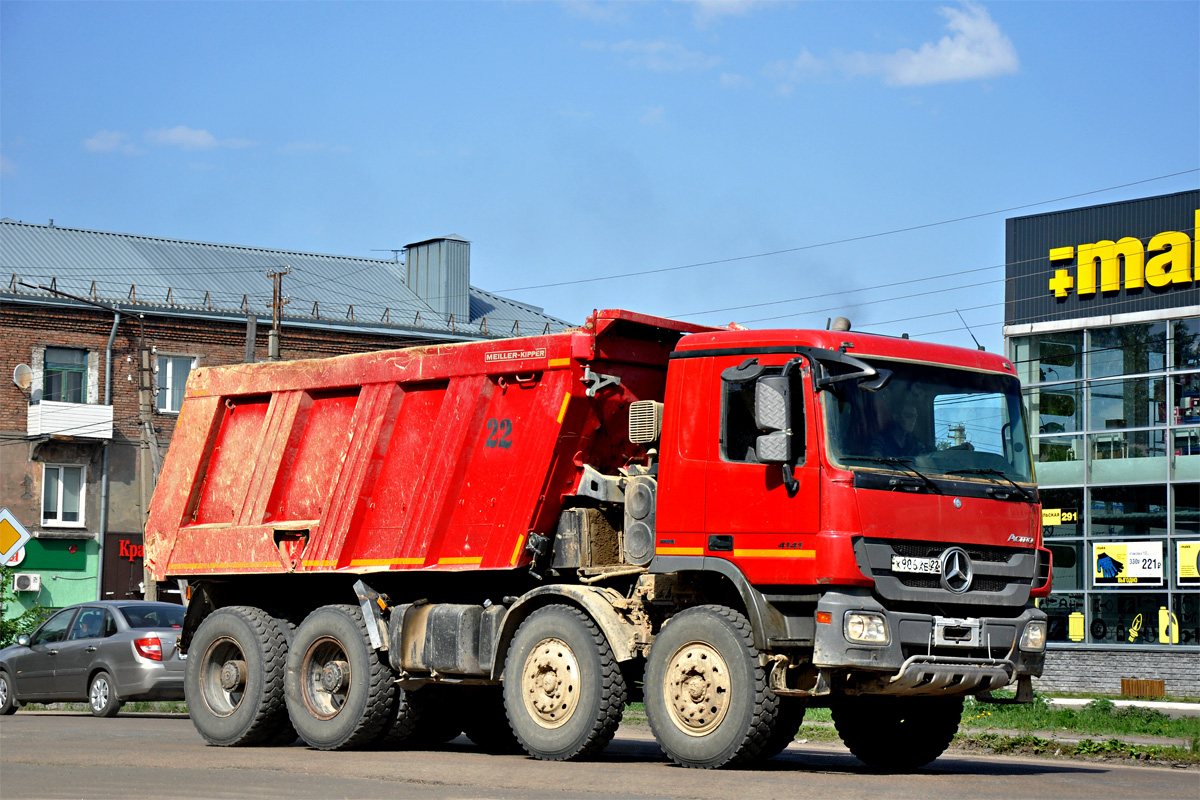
(27, 582)
(645, 421)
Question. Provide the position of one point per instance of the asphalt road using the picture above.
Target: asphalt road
(61, 754)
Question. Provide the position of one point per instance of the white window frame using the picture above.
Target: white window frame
(58, 523)
(168, 379)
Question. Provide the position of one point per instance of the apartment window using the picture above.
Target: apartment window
(172, 378)
(65, 374)
(62, 495)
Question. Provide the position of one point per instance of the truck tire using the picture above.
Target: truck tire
(897, 733)
(102, 695)
(707, 699)
(234, 679)
(339, 694)
(403, 722)
(485, 722)
(8, 700)
(564, 692)
(787, 724)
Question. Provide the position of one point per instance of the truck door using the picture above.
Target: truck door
(750, 518)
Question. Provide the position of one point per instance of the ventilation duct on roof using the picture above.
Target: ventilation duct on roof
(439, 272)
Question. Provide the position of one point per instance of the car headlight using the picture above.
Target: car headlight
(862, 626)
(1034, 637)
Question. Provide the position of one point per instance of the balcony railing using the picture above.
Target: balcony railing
(76, 420)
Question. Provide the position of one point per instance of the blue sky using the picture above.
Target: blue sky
(571, 141)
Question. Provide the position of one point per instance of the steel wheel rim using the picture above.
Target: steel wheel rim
(550, 683)
(321, 699)
(99, 694)
(696, 688)
(3, 691)
(222, 655)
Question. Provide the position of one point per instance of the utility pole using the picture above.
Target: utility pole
(149, 456)
(278, 301)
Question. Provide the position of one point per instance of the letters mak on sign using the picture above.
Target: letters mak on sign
(1173, 259)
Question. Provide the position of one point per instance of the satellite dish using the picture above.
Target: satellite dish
(23, 377)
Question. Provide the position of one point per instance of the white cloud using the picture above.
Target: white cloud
(110, 142)
(710, 10)
(596, 12)
(655, 115)
(731, 80)
(187, 138)
(975, 49)
(661, 56)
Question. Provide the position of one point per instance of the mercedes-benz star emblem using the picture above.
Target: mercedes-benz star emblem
(956, 570)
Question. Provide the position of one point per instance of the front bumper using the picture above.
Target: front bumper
(924, 654)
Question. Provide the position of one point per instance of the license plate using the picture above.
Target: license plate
(928, 566)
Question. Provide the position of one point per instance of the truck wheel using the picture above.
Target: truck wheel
(787, 724)
(486, 723)
(897, 733)
(234, 679)
(403, 722)
(102, 696)
(8, 701)
(563, 688)
(707, 699)
(339, 694)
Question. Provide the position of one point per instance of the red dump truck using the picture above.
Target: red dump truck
(515, 538)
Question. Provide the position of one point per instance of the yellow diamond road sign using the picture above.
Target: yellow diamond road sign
(13, 535)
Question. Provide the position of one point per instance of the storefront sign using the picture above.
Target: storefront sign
(1187, 563)
(1127, 564)
(1168, 259)
(1059, 516)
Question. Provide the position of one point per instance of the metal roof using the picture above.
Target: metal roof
(188, 277)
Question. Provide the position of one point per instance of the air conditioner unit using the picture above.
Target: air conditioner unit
(27, 582)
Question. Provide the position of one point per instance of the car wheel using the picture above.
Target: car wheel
(339, 694)
(564, 692)
(8, 701)
(403, 722)
(234, 679)
(707, 699)
(102, 696)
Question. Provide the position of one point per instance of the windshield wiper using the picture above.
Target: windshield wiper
(997, 473)
(903, 463)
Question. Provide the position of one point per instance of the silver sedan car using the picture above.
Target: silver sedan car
(105, 653)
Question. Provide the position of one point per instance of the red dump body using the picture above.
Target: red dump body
(436, 458)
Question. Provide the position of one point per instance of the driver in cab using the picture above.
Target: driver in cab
(897, 440)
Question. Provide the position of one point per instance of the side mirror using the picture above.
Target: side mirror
(773, 413)
(23, 640)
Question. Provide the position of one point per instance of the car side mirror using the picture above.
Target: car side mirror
(773, 414)
(23, 640)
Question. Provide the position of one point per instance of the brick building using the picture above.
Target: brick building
(94, 315)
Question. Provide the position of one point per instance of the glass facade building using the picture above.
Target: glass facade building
(1103, 325)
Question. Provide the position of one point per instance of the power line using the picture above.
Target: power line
(846, 240)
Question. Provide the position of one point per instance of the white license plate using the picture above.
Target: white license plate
(929, 566)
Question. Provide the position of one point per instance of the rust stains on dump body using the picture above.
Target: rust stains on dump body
(443, 457)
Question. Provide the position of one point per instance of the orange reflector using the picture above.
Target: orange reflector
(825, 617)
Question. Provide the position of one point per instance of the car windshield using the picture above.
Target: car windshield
(153, 616)
(935, 419)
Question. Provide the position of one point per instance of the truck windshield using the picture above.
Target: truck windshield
(934, 419)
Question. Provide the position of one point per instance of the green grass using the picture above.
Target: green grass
(1109, 748)
(160, 707)
(1099, 718)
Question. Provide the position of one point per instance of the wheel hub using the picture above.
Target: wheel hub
(696, 685)
(550, 683)
(336, 676)
(233, 675)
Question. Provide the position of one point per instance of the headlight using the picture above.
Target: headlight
(1034, 637)
(865, 627)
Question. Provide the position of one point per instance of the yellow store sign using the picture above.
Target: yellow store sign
(1170, 258)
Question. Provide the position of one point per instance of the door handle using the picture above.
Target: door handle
(53, 652)
(91, 649)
